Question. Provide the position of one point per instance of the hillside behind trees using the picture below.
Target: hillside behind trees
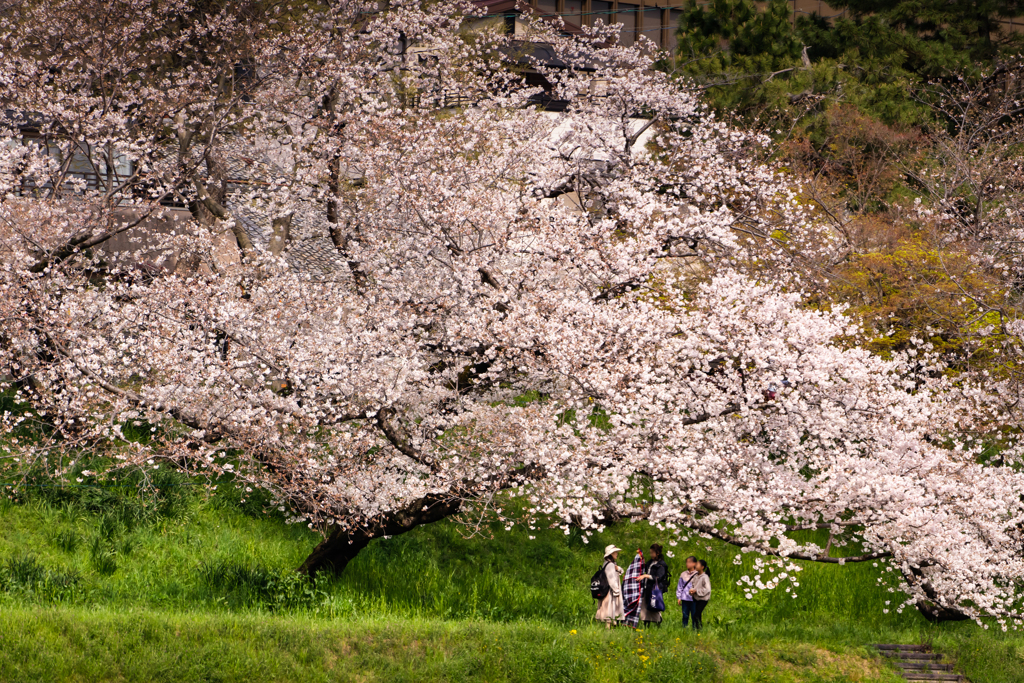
(902, 124)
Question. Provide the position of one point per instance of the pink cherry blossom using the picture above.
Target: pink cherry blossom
(385, 309)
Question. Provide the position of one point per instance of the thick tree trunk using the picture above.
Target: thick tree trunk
(933, 611)
(335, 552)
(937, 614)
(342, 231)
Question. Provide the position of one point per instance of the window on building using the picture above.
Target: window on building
(573, 12)
(626, 15)
(599, 10)
(652, 25)
(673, 26)
(547, 7)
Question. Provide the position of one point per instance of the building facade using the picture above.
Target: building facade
(655, 19)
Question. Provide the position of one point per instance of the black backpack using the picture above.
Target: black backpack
(599, 583)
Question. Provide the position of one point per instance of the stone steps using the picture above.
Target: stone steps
(913, 656)
(919, 663)
(924, 666)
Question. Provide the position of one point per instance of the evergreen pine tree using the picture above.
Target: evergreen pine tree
(944, 32)
(749, 60)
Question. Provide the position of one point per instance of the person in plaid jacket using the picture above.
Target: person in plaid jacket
(631, 590)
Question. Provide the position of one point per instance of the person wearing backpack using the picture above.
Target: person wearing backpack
(683, 595)
(606, 586)
(653, 586)
(700, 589)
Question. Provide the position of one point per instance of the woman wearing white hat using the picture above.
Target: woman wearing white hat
(610, 611)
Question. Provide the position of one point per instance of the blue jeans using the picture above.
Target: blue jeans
(689, 612)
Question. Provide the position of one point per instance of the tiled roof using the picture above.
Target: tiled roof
(310, 249)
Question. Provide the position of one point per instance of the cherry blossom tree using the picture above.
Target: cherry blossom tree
(540, 304)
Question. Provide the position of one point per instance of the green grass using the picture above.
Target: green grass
(59, 644)
(95, 587)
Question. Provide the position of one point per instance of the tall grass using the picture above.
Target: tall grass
(218, 568)
(223, 558)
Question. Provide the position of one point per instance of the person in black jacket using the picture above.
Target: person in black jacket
(655, 574)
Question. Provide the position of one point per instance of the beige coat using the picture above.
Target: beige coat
(610, 609)
(700, 587)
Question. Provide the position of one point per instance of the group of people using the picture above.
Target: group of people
(638, 593)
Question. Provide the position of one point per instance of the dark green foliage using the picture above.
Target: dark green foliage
(736, 52)
(750, 61)
(255, 502)
(103, 557)
(936, 32)
(755, 41)
(28, 428)
(67, 540)
(26, 575)
(252, 585)
(126, 498)
(25, 571)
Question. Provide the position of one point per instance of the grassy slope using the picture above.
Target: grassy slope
(147, 646)
(205, 593)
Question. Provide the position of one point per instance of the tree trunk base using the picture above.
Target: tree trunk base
(340, 547)
(938, 614)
